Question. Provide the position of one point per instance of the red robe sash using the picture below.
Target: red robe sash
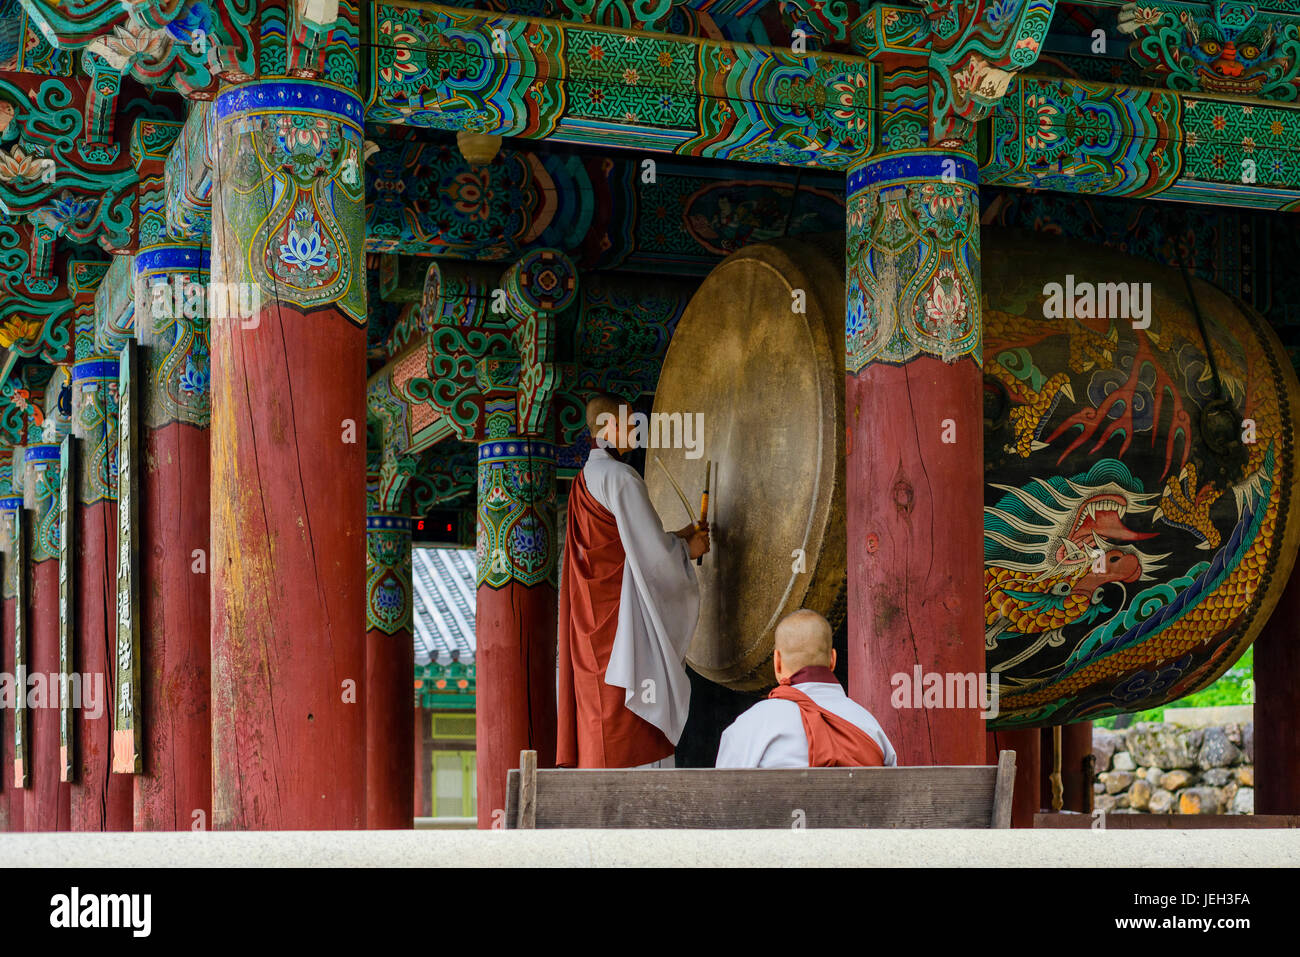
(596, 730)
(833, 742)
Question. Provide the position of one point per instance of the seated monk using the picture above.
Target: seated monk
(807, 720)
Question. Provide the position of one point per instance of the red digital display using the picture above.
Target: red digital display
(438, 527)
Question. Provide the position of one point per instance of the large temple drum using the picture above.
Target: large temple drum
(759, 354)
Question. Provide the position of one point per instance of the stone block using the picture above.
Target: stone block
(1160, 802)
(1161, 745)
(1216, 750)
(1243, 802)
(1116, 781)
(1200, 800)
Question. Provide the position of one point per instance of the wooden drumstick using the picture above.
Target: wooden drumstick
(704, 502)
(678, 489)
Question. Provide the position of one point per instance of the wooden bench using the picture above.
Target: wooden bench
(946, 797)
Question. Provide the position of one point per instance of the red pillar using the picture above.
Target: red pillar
(288, 460)
(915, 477)
(174, 788)
(101, 801)
(11, 810)
(515, 621)
(174, 792)
(11, 796)
(47, 803)
(1277, 706)
(390, 670)
(1025, 802)
(288, 566)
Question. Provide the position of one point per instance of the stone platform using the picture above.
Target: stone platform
(663, 848)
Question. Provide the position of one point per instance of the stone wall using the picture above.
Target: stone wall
(1164, 768)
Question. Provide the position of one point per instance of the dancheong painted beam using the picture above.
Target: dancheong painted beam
(1079, 137)
(509, 75)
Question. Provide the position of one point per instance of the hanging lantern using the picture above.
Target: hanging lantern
(479, 149)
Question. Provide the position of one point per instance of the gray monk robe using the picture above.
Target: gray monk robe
(628, 609)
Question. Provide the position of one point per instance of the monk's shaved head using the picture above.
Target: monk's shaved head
(602, 403)
(804, 638)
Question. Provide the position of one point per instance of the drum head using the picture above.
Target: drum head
(757, 359)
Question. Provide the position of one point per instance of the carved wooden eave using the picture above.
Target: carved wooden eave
(447, 474)
(55, 175)
(190, 48)
(35, 307)
(545, 356)
(115, 306)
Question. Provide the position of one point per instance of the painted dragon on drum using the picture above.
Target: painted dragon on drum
(1136, 497)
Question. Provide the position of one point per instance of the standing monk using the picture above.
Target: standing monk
(629, 602)
(808, 720)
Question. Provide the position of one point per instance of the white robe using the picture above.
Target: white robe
(771, 734)
(659, 603)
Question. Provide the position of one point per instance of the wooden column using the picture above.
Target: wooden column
(915, 491)
(516, 611)
(423, 791)
(101, 800)
(1076, 744)
(390, 666)
(516, 542)
(1277, 706)
(174, 789)
(288, 460)
(1026, 801)
(47, 802)
(11, 794)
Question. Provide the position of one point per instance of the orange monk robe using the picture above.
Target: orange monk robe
(807, 722)
(636, 611)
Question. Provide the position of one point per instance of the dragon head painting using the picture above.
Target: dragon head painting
(1052, 547)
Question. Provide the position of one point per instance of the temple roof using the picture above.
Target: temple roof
(444, 605)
